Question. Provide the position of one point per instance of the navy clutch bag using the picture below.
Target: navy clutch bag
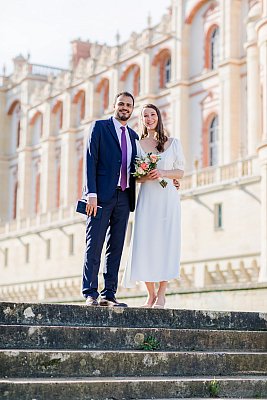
(81, 208)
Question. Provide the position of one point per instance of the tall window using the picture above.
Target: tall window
(168, 70)
(213, 142)
(15, 114)
(37, 128)
(57, 118)
(58, 173)
(6, 257)
(79, 108)
(131, 77)
(218, 223)
(162, 62)
(103, 91)
(37, 192)
(214, 49)
(36, 185)
(15, 198)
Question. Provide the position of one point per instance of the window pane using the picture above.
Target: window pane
(218, 216)
(214, 49)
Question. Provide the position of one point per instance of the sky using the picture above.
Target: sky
(44, 29)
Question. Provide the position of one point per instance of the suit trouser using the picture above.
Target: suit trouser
(112, 226)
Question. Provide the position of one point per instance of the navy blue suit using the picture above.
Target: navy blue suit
(103, 164)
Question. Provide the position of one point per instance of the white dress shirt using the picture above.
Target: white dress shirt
(118, 125)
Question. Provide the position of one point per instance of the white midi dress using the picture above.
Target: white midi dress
(155, 248)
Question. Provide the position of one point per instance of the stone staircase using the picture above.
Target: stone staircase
(65, 352)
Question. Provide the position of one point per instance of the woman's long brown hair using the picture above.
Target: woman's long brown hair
(161, 135)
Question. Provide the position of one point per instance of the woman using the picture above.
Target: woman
(155, 249)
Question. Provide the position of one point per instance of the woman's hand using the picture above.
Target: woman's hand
(155, 174)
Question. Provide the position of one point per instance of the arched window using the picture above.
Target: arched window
(213, 142)
(214, 48)
(36, 124)
(163, 63)
(15, 114)
(57, 118)
(103, 91)
(131, 77)
(79, 108)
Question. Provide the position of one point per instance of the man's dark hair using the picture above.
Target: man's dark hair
(124, 94)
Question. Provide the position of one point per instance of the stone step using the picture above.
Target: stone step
(48, 363)
(58, 314)
(96, 338)
(134, 388)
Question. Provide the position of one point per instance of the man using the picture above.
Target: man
(109, 184)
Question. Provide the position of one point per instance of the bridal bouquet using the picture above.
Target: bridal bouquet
(145, 164)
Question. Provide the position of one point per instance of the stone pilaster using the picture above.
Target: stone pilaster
(89, 101)
(25, 203)
(48, 175)
(179, 91)
(230, 85)
(68, 192)
(261, 29)
(253, 83)
(4, 128)
(147, 73)
(113, 86)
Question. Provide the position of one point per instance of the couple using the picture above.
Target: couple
(110, 191)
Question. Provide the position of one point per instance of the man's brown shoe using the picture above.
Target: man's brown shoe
(90, 301)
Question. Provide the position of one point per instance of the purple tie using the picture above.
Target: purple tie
(124, 159)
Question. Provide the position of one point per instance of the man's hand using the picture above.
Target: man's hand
(176, 183)
(91, 206)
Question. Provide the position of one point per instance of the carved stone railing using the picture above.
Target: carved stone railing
(229, 173)
(206, 178)
(58, 217)
(225, 272)
(38, 69)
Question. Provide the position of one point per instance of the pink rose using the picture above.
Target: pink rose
(140, 171)
(153, 158)
(144, 166)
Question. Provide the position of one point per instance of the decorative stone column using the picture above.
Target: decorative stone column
(25, 195)
(229, 76)
(68, 192)
(261, 29)
(253, 83)
(4, 179)
(48, 175)
(180, 89)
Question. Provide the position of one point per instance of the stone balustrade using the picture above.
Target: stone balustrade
(235, 172)
(205, 179)
(234, 272)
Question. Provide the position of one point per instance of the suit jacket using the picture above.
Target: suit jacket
(103, 162)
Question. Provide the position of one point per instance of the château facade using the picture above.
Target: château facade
(205, 66)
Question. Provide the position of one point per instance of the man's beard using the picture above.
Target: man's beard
(122, 117)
